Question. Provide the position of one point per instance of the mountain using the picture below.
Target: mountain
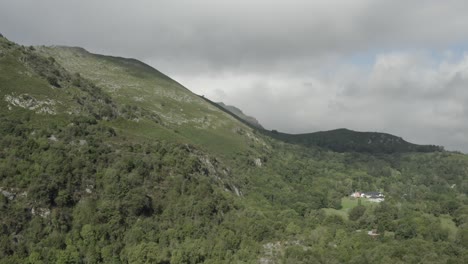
(106, 160)
(344, 140)
(132, 83)
(339, 140)
(236, 111)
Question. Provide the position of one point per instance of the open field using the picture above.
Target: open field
(348, 203)
(447, 223)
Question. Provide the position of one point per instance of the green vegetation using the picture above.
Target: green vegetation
(113, 162)
(348, 203)
(344, 140)
(237, 112)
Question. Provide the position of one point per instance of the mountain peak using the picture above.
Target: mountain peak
(239, 113)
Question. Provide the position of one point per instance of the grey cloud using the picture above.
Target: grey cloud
(285, 62)
(420, 106)
(234, 33)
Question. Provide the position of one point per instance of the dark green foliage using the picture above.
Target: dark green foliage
(45, 67)
(406, 230)
(53, 81)
(133, 112)
(90, 194)
(356, 212)
(344, 140)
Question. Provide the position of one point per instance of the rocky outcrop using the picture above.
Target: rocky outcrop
(12, 193)
(28, 102)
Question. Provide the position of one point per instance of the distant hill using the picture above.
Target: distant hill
(344, 140)
(339, 140)
(236, 111)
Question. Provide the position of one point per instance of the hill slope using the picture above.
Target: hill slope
(106, 160)
(342, 140)
(131, 82)
(236, 111)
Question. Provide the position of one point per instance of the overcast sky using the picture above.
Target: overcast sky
(396, 66)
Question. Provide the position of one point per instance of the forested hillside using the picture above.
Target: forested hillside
(345, 140)
(106, 160)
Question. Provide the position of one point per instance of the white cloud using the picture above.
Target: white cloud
(408, 94)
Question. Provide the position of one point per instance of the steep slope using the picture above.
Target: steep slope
(131, 82)
(79, 163)
(98, 164)
(39, 84)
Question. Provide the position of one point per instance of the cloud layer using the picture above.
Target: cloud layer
(407, 94)
(298, 66)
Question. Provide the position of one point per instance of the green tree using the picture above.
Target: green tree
(356, 212)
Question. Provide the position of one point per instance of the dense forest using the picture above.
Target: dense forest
(88, 175)
(345, 140)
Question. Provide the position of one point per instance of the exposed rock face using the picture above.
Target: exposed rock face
(89, 189)
(258, 162)
(272, 252)
(12, 193)
(28, 102)
(42, 212)
(9, 195)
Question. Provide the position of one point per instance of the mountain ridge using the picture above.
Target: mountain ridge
(238, 112)
(340, 139)
(353, 140)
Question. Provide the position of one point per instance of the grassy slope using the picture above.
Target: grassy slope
(196, 121)
(131, 82)
(18, 79)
